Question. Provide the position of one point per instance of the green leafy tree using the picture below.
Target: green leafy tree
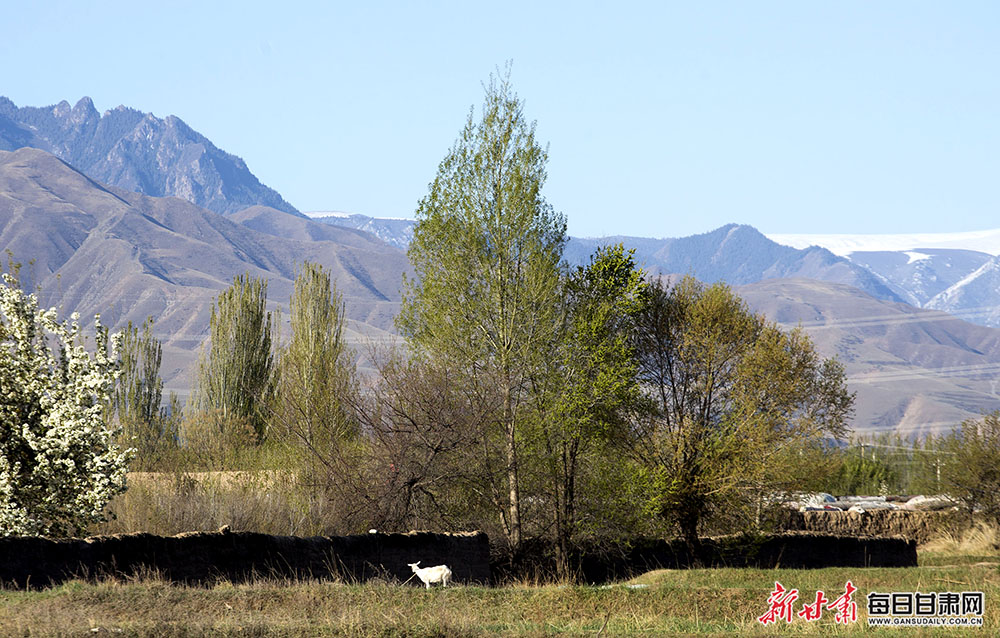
(970, 468)
(140, 388)
(316, 369)
(486, 254)
(59, 465)
(236, 375)
(866, 475)
(588, 391)
(730, 393)
(137, 400)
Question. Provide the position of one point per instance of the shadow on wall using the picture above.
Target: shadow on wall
(789, 550)
(792, 550)
(208, 557)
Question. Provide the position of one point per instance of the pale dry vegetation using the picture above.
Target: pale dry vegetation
(667, 602)
(270, 502)
(981, 538)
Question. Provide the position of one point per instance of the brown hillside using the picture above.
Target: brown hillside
(97, 249)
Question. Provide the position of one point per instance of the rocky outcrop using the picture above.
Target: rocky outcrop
(139, 152)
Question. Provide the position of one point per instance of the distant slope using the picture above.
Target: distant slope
(985, 241)
(397, 232)
(737, 254)
(915, 371)
(975, 297)
(95, 248)
(138, 152)
(955, 272)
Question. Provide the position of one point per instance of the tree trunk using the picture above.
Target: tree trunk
(688, 523)
(514, 527)
(566, 512)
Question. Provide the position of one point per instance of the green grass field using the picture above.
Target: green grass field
(701, 602)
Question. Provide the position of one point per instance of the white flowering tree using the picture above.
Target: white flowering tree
(58, 463)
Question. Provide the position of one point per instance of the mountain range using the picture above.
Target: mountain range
(127, 251)
(138, 152)
(94, 248)
(960, 281)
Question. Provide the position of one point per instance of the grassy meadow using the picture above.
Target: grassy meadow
(702, 602)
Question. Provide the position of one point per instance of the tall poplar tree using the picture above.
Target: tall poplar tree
(236, 376)
(316, 369)
(139, 392)
(486, 253)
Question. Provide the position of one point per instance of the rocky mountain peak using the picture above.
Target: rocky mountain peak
(139, 152)
(84, 110)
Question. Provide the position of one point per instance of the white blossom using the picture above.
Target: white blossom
(59, 465)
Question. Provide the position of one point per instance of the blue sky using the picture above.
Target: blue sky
(663, 119)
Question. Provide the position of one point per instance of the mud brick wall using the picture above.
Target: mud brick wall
(207, 557)
(919, 526)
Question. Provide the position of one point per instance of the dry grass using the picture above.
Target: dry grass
(979, 539)
(269, 502)
(702, 602)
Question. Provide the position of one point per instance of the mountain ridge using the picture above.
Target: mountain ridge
(99, 249)
(915, 371)
(138, 152)
(927, 277)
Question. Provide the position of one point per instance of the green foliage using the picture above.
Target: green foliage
(730, 392)
(884, 464)
(595, 353)
(486, 253)
(59, 464)
(861, 475)
(584, 396)
(316, 371)
(146, 424)
(236, 374)
(970, 472)
(140, 388)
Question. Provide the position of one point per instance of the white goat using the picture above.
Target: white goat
(439, 574)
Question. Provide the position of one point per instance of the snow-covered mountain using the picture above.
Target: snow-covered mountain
(983, 241)
(958, 273)
(395, 231)
(975, 298)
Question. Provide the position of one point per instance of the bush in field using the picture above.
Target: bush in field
(59, 465)
(970, 472)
